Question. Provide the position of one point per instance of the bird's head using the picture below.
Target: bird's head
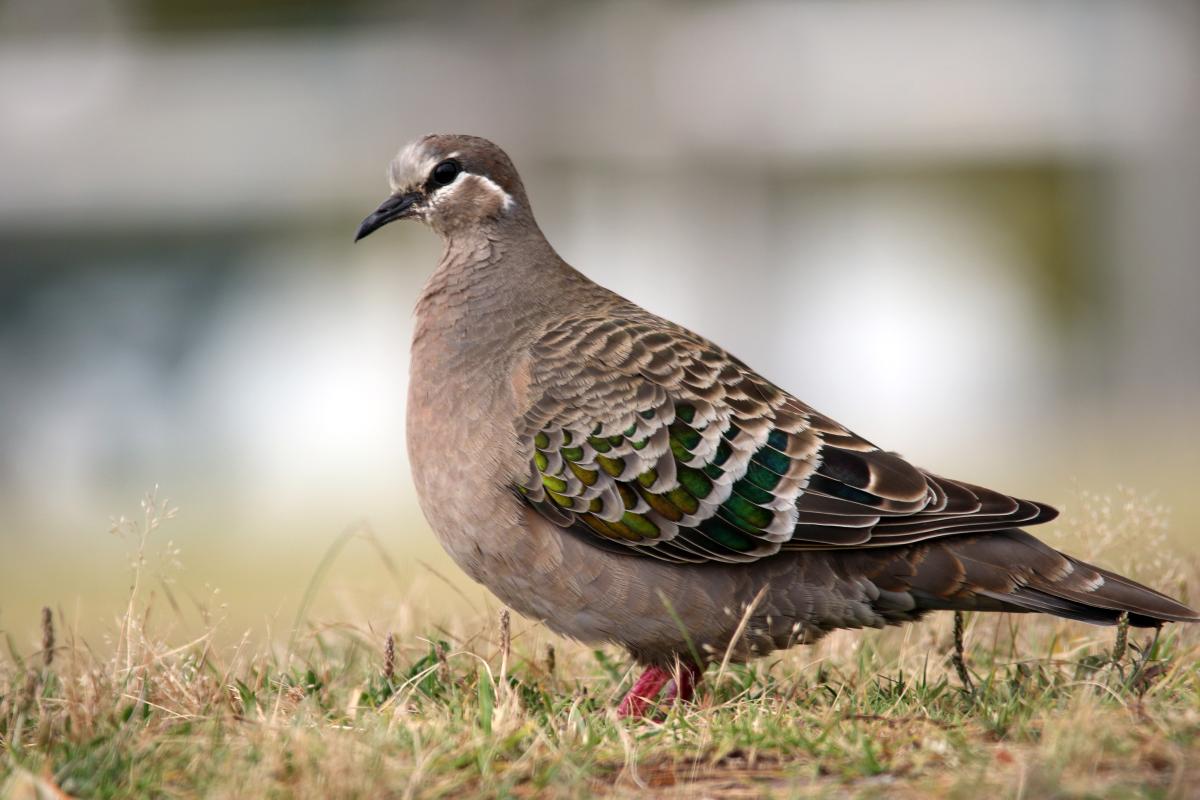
(451, 183)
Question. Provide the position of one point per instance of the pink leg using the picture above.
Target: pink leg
(643, 692)
(679, 688)
(683, 687)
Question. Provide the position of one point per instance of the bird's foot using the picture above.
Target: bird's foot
(680, 685)
(639, 698)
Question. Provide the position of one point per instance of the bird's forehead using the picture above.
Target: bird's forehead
(412, 164)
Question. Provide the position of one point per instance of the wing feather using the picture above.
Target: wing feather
(646, 437)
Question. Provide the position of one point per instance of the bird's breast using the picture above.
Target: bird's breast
(462, 450)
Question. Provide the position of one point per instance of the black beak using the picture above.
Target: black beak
(394, 208)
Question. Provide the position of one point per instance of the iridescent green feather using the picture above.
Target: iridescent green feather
(663, 506)
(613, 466)
(773, 460)
(685, 436)
(612, 530)
(754, 494)
(761, 477)
(628, 495)
(685, 502)
(587, 476)
(695, 481)
(753, 515)
(640, 525)
(722, 532)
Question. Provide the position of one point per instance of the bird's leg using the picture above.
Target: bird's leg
(639, 698)
(683, 682)
(680, 686)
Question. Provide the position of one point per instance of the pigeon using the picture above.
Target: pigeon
(622, 479)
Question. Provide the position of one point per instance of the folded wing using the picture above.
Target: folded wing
(649, 437)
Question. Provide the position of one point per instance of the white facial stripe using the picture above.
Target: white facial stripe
(443, 193)
(506, 201)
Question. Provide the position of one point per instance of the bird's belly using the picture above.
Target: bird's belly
(655, 610)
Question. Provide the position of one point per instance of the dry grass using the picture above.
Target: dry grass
(472, 707)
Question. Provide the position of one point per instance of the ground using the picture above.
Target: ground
(459, 708)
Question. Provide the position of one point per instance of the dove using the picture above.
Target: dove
(622, 479)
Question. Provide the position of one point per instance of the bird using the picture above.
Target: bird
(624, 480)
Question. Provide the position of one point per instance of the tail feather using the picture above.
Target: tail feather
(1013, 571)
(1029, 599)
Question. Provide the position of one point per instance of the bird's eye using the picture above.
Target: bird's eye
(445, 173)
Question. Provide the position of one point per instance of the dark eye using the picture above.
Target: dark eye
(445, 173)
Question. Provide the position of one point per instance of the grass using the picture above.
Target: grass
(481, 705)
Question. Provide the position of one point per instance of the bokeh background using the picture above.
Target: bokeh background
(969, 231)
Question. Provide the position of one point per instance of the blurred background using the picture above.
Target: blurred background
(968, 231)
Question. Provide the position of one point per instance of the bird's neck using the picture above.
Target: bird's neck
(491, 286)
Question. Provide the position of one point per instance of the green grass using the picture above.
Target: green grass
(459, 709)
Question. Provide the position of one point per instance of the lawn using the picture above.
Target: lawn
(455, 706)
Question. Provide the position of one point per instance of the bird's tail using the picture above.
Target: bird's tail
(1013, 571)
